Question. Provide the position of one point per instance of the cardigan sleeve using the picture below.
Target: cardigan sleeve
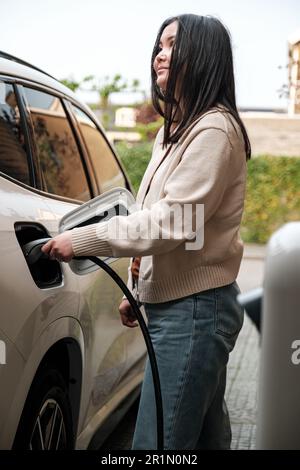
(201, 177)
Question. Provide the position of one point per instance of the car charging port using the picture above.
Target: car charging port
(45, 272)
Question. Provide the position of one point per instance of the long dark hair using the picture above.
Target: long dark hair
(202, 58)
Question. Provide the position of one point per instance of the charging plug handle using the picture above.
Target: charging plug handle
(32, 250)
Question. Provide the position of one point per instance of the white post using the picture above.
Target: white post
(278, 420)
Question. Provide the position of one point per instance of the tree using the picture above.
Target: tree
(146, 113)
(74, 85)
(104, 87)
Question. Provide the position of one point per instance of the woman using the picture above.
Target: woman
(188, 289)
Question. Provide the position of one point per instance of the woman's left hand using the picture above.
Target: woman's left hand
(60, 247)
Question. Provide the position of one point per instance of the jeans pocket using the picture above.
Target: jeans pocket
(205, 310)
(229, 314)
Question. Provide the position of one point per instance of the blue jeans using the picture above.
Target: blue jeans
(192, 338)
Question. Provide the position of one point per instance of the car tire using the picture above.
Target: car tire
(46, 421)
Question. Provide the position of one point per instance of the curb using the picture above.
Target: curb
(254, 251)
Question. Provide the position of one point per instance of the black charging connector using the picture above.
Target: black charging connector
(33, 250)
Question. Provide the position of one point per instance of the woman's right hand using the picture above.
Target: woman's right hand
(128, 316)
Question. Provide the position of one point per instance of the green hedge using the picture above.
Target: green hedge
(135, 158)
(272, 194)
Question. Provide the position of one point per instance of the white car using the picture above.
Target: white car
(68, 367)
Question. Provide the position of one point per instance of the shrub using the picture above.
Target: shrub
(149, 131)
(272, 196)
(135, 158)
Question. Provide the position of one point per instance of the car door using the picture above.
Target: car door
(24, 216)
(68, 179)
(109, 175)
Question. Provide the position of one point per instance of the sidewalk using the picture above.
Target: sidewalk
(241, 391)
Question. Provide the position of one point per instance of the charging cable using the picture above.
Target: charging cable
(32, 252)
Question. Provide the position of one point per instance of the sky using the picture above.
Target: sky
(103, 37)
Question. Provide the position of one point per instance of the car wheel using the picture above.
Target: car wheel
(46, 421)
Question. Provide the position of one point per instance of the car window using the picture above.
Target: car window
(13, 155)
(60, 161)
(108, 171)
